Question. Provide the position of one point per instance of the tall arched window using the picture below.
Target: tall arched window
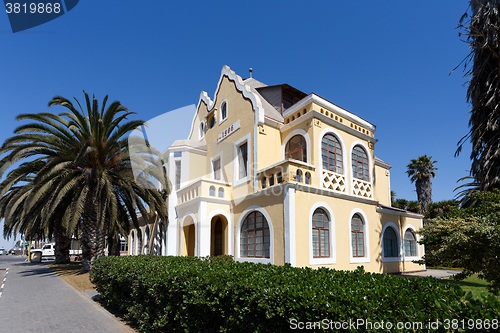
(254, 237)
(296, 149)
(299, 176)
(360, 164)
(223, 111)
(331, 152)
(410, 244)
(321, 234)
(390, 243)
(357, 236)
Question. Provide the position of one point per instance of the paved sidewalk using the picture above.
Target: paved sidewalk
(437, 273)
(34, 299)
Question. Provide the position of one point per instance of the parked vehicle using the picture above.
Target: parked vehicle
(3, 251)
(48, 250)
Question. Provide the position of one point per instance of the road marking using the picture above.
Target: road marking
(3, 282)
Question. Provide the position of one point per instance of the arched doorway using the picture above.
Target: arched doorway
(188, 237)
(218, 236)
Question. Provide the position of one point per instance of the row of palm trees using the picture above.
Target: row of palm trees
(70, 174)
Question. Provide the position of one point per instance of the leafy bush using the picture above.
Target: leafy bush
(171, 294)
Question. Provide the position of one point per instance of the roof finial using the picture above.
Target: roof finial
(250, 70)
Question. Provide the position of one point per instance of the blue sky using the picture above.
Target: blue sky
(388, 62)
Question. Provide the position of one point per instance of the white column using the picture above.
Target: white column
(289, 224)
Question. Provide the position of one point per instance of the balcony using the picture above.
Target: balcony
(206, 188)
(333, 181)
(285, 172)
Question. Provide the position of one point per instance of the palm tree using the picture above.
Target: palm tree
(483, 31)
(421, 171)
(87, 169)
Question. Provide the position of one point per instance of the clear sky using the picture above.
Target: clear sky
(388, 62)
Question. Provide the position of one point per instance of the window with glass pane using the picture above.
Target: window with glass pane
(357, 236)
(295, 149)
(360, 164)
(223, 111)
(410, 244)
(243, 160)
(279, 178)
(212, 191)
(299, 176)
(331, 154)
(216, 166)
(320, 234)
(255, 236)
(264, 182)
(308, 178)
(390, 243)
(271, 180)
(221, 192)
(177, 175)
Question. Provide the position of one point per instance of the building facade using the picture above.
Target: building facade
(270, 174)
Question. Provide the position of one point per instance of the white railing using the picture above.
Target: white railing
(362, 188)
(333, 181)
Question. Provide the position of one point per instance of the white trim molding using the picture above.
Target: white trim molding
(230, 227)
(243, 215)
(370, 168)
(366, 237)
(289, 221)
(333, 253)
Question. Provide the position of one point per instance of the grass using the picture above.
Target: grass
(72, 273)
(473, 284)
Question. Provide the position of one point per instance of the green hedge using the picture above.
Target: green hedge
(186, 294)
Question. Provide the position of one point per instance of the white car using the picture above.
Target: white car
(3, 251)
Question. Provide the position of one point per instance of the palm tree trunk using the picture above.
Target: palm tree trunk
(101, 239)
(89, 226)
(424, 193)
(63, 244)
(114, 245)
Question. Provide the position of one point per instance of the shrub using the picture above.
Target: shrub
(164, 294)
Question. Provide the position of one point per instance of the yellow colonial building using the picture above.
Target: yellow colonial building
(270, 174)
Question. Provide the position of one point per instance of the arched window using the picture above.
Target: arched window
(360, 164)
(299, 176)
(331, 152)
(223, 111)
(254, 237)
(390, 242)
(264, 182)
(410, 244)
(357, 236)
(212, 191)
(321, 234)
(279, 177)
(271, 180)
(202, 130)
(308, 178)
(221, 192)
(295, 149)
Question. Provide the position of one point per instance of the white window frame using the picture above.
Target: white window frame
(333, 253)
(366, 238)
(236, 162)
(212, 160)
(417, 256)
(201, 131)
(221, 120)
(308, 143)
(370, 162)
(398, 237)
(243, 215)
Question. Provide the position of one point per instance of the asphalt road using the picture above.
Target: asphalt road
(34, 299)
